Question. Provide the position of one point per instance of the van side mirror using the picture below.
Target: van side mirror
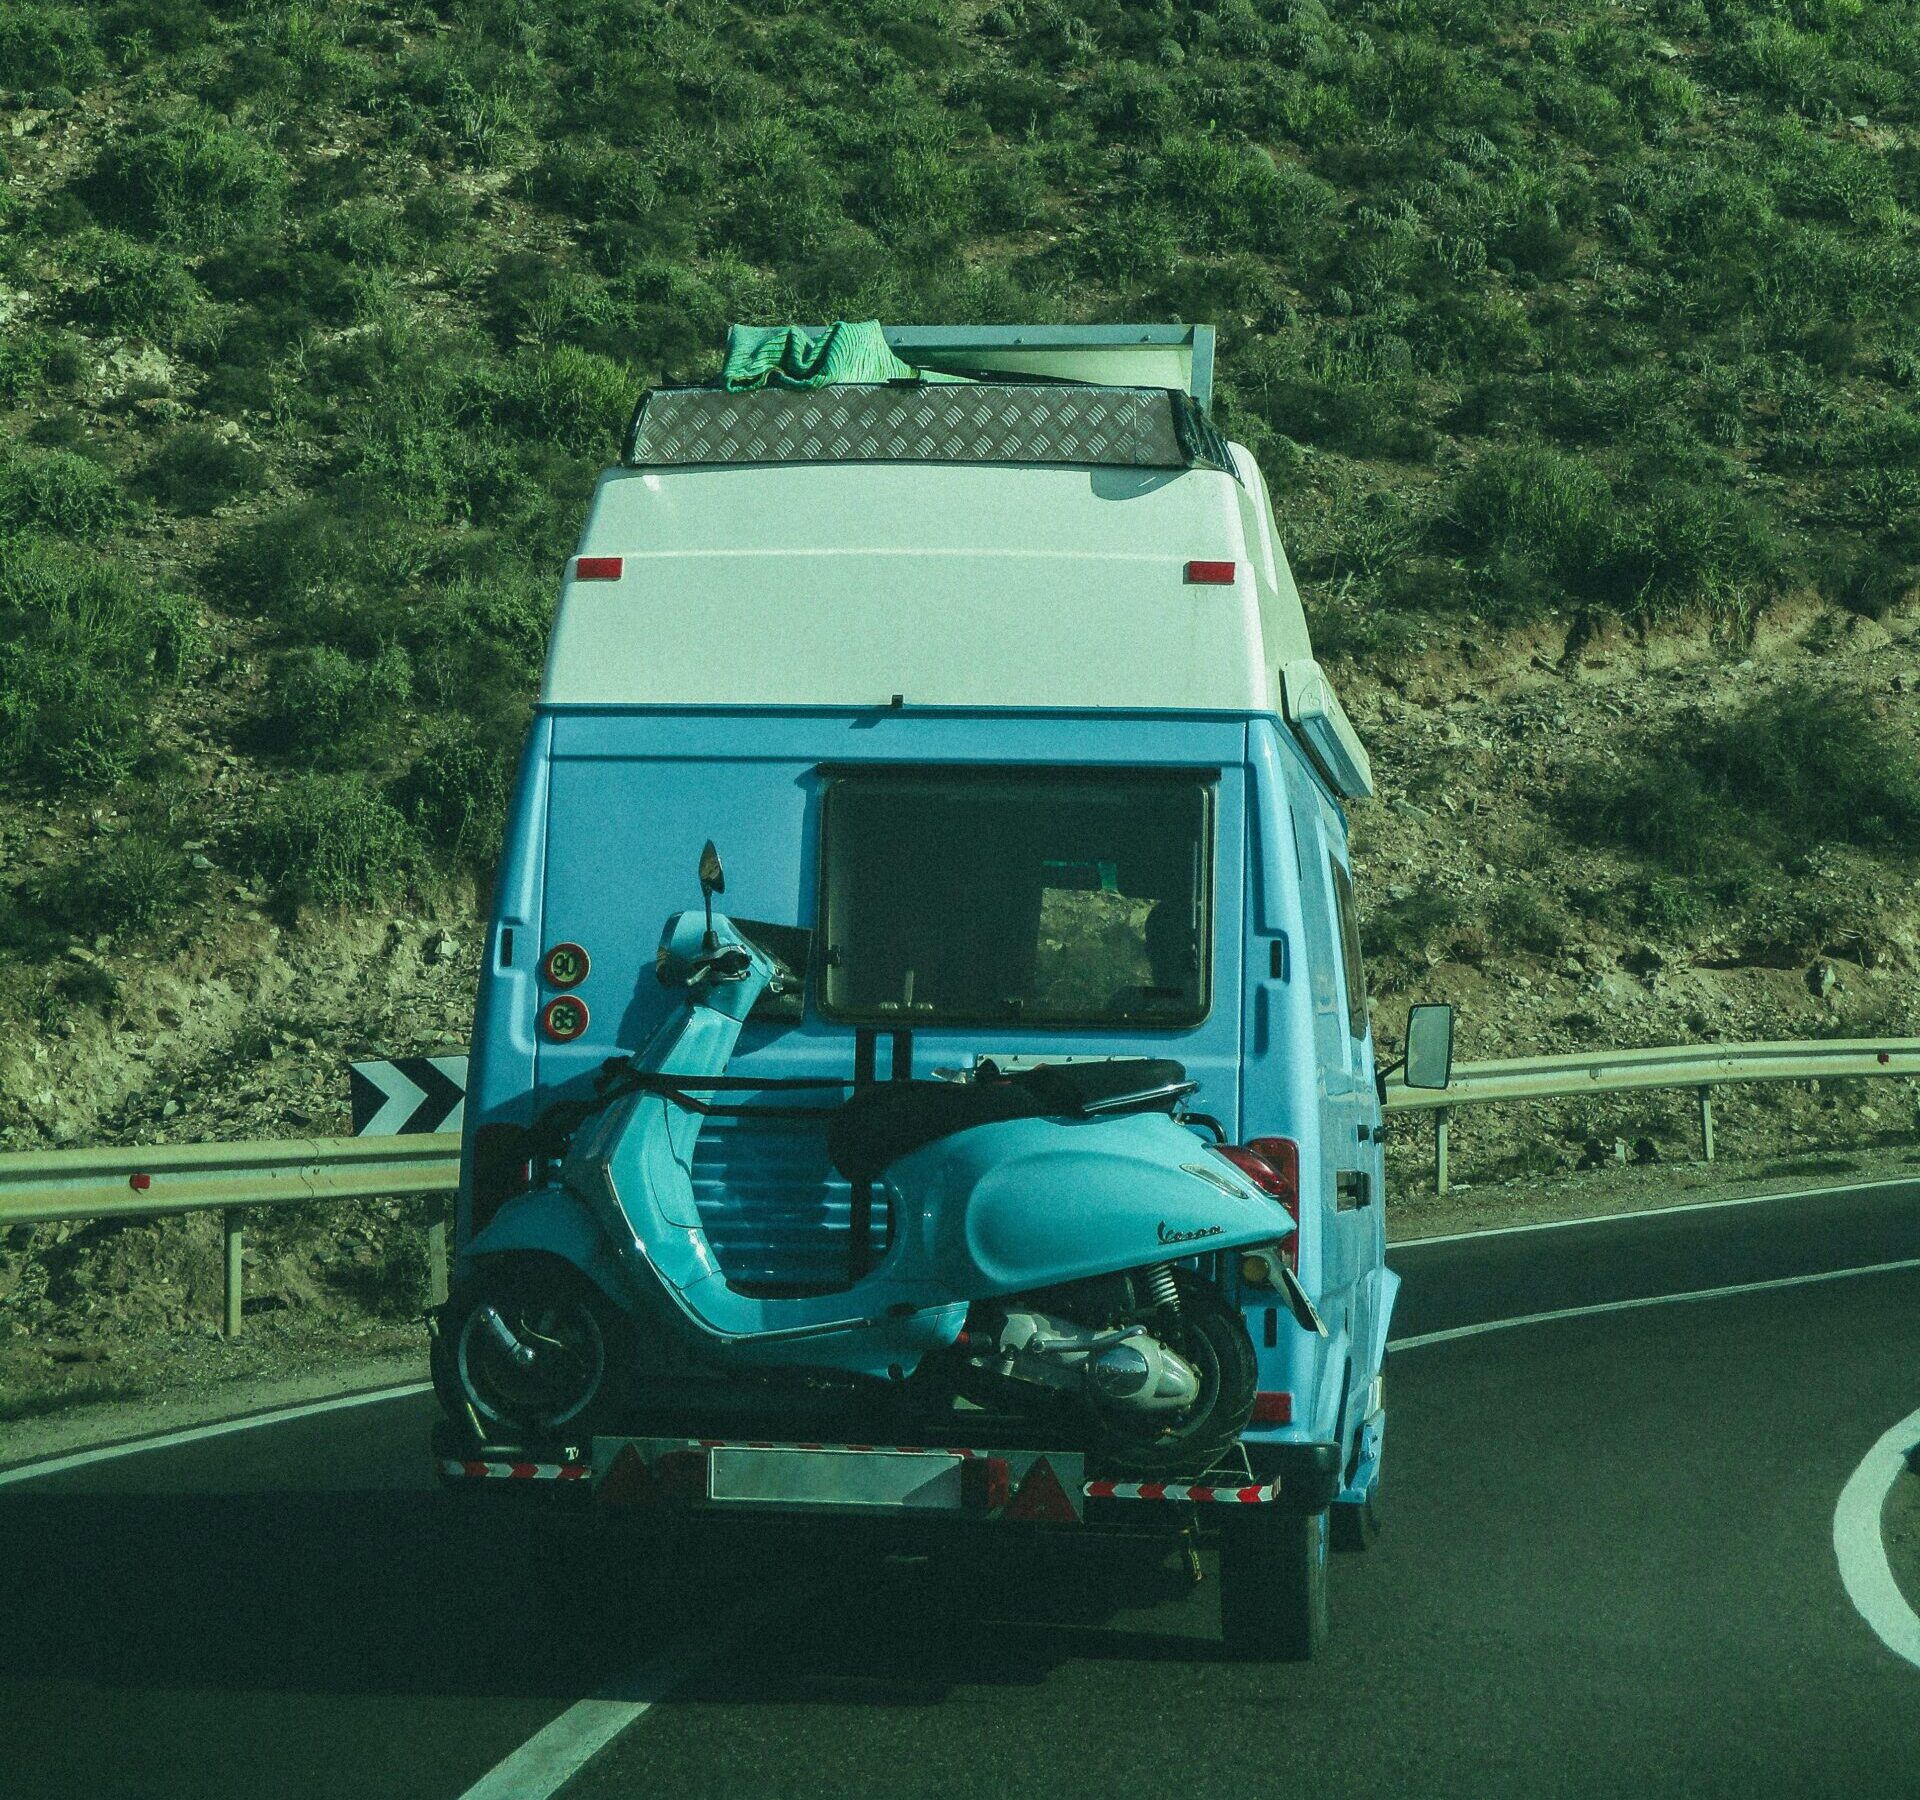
(1429, 1046)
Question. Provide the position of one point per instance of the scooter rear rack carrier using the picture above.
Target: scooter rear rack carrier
(765, 1475)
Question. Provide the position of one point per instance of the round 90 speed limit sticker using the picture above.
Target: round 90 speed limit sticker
(564, 1018)
(565, 965)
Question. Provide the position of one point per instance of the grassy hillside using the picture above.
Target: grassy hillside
(316, 320)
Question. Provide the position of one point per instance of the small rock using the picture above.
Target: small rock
(1663, 50)
(1822, 980)
(171, 1107)
(1410, 810)
(202, 864)
(1858, 121)
(442, 947)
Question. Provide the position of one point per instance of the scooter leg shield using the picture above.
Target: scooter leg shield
(550, 1221)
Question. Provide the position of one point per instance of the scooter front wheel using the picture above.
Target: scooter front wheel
(532, 1348)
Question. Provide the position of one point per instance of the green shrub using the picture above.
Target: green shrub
(47, 45)
(456, 792)
(1787, 771)
(137, 29)
(1549, 510)
(335, 568)
(1688, 542)
(194, 469)
(329, 839)
(1237, 197)
(58, 491)
(367, 232)
(188, 178)
(82, 643)
(333, 708)
(138, 289)
(129, 883)
(572, 397)
(31, 358)
(478, 641)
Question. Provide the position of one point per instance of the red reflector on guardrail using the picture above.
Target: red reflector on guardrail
(1210, 574)
(139, 1183)
(597, 568)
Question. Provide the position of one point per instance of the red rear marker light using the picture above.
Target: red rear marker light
(1210, 574)
(1273, 1409)
(596, 568)
(1272, 1164)
(985, 1483)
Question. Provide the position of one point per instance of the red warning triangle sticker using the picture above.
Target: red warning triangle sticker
(628, 1483)
(1042, 1497)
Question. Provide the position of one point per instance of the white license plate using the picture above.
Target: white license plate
(862, 1478)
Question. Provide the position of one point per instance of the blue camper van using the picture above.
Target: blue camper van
(996, 696)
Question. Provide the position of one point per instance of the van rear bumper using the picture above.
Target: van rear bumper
(1309, 1474)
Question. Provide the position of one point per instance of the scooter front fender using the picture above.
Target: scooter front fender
(550, 1221)
(1034, 1202)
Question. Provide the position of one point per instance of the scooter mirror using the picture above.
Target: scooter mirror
(1429, 1046)
(713, 878)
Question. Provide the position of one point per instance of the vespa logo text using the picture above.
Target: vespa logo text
(1187, 1237)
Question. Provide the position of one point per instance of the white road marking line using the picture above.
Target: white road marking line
(1655, 1212)
(549, 1759)
(1862, 1553)
(79, 1459)
(1612, 1306)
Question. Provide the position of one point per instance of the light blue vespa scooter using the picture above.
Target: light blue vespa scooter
(1038, 1221)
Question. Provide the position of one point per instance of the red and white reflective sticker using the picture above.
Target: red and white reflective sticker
(480, 1470)
(1197, 1493)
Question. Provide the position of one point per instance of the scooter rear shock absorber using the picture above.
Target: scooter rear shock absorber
(1160, 1287)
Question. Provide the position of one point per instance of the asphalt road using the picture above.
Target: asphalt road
(1607, 1569)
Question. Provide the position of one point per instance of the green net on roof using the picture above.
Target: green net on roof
(761, 356)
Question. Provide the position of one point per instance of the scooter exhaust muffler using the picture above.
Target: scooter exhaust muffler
(503, 1335)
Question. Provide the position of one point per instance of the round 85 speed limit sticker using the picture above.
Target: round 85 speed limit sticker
(564, 1018)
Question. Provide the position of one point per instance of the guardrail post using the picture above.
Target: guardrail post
(437, 1253)
(1440, 1150)
(230, 1223)
(1706, 1122)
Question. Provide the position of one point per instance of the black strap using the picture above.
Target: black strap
(552, 1130)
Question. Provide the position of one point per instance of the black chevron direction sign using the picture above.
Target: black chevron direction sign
(407, 1094)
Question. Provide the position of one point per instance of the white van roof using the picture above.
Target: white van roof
(977, 585)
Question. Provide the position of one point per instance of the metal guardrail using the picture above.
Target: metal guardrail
(39, 1186)
(1698, 1066)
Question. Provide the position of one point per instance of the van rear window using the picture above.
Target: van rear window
(1047, 897)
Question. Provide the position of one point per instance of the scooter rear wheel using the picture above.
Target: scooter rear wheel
(1208, 1331)
(580, 1345)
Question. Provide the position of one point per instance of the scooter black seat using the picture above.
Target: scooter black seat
(883, 1123)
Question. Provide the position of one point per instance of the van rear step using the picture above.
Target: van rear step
(768, 1476)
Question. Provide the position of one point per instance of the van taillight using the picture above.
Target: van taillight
(1272, 1164)
(501, 1169)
